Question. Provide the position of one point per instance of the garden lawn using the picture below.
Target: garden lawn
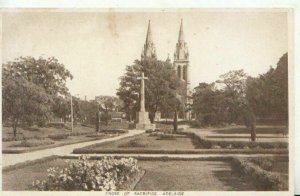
(159, 176)
(144, 141)
(190, 176)
(21, 179)
(42, 132)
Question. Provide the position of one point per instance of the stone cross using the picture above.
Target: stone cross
(142, 93)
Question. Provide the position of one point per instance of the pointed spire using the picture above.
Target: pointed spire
(149, 48)
(149, 34)
(180, 37)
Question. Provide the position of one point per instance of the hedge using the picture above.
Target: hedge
(266, 180)
(91, 150)
(201, 141)
(156, 158)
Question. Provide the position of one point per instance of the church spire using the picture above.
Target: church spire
(181, 51)
(180, 37)
(149, 33)
(149, 48)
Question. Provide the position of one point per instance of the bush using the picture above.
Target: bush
(107, 174)
(263, 179)
(33, 143)
(59, 136)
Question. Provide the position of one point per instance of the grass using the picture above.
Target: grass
(42, 132)
(20, 179)
(159, 175)
(145, 141)
(10, 148)
(33, 143)
(190, 176)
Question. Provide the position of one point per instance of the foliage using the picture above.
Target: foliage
(162, 84)
(267, 94)
(30, 87)
(263, 179)
(48, 73)
(23, 101)
(107, 174)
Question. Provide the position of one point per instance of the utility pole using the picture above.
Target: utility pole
(72, 114)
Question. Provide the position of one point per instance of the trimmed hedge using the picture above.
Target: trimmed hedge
(91, 150)
(263, 179)
(160, 158)
(200, 141)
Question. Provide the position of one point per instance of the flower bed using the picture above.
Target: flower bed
(107, 174)
(265, 180)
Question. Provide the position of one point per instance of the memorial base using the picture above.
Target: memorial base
(143, 121)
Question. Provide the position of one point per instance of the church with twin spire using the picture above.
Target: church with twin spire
(180, 63)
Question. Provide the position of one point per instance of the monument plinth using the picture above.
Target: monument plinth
(143, 121)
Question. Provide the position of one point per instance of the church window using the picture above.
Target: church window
(178, 71)
(184, 73)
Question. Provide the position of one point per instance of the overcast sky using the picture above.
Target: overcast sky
(96, 46)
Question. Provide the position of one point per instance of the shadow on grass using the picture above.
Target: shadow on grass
(259, 130)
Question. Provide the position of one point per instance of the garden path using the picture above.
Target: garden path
(12, 159)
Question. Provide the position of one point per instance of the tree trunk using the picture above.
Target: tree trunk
(253, 127)
(15, 123)
(175, 123)
(97, 122)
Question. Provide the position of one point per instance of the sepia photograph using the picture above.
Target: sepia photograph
(146, 100)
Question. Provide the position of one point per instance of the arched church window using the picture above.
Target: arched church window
(184, 73)
(178, 71)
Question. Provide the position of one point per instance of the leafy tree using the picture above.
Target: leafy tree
(46, 73)
(162, 82)
(234, 83)
(33, 85)
(207, 104)
(23, 101)
(108, 104)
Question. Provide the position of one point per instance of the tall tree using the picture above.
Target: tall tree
(23, 101)
(162, 81)
(33, 79)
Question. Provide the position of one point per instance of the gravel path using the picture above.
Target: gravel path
(12, 159)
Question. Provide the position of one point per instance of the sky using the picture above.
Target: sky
(96, 45)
